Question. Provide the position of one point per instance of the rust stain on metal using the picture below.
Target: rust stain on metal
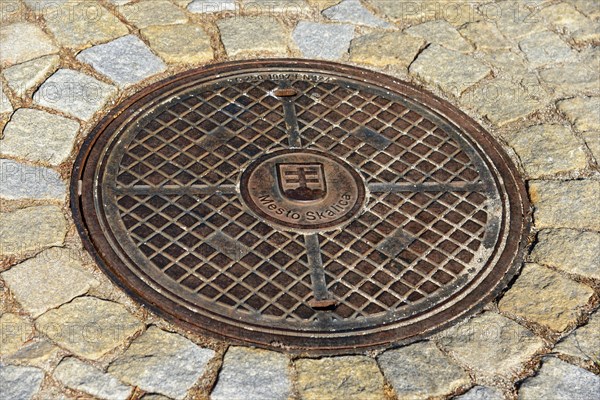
(311, 204)
(287, 92)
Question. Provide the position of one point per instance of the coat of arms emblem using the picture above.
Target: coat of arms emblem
(302, 182)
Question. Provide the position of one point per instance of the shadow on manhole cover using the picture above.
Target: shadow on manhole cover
(306, 206)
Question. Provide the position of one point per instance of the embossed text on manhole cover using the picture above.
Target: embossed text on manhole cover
(299, 205)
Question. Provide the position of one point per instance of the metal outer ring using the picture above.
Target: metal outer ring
(86, 220)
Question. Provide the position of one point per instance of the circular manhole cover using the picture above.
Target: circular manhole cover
(308, 206)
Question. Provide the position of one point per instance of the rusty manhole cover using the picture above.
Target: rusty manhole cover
(308, 206)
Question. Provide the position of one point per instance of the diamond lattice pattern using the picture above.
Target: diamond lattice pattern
(219, 251)
(205, 139)
(417, 150)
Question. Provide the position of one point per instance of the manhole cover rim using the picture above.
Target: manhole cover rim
(176, 313)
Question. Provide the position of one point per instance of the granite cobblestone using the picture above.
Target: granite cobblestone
(503, 66)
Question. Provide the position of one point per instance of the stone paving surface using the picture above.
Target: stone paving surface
(162, 362)
(74, 93)
(48, 280)
(77, 375)
(491, 345)
(528, 71)
(23, 77)
(340, 377)
(88, 327)
(559, 380)
(126, 60)
(323, 41)
(557, 303)
(22, 181)
(30, 230)
(39, 136)
(481, 393)
(421, 371)
(251, 373)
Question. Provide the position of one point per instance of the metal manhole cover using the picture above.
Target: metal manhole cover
(302, 205)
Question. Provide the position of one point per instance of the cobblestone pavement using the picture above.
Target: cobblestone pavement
(528, 71)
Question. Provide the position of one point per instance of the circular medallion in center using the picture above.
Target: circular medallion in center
(303, 189)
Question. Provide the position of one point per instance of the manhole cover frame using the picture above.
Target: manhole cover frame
(93, 238)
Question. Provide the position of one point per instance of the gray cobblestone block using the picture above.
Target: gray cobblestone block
(74, 93)
(126, 61)
(326, 41)
(22, 181)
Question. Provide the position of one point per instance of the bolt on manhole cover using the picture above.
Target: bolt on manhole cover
(306, 206)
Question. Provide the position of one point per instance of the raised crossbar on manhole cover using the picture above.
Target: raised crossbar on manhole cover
(300, 205)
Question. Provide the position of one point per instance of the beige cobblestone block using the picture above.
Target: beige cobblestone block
(547, 149)
(89, 327)
(566, 204)
(22, 42)
(414, 12)
(37, 354)
(45, 7)
(583, 342)
(48, 280)
(340, 377)
(502, 101)
(458, 13)
(123, 2)
(453, 72)
(546, 48)
(15, 331)
(589, 8)
(156, 12)
(441, 33)
(421, 371)
(572, 79)
(5, 104)
(82, 24)
(39, 136)
(582, 112)
(209, 6)
(30, 74)
(543, 296)
(162, 362)
(294, 8)
(250, 35)
(491, 345)
(155, 397)
(180, 43)
(323, 4)
(255, 374)
(576, 252)
(31, 229)
(587, 35)
(381, 49)
(592, 138)
(591, 56)
(485, 36)
(511, 65)
(565, 17)
(513, 18)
